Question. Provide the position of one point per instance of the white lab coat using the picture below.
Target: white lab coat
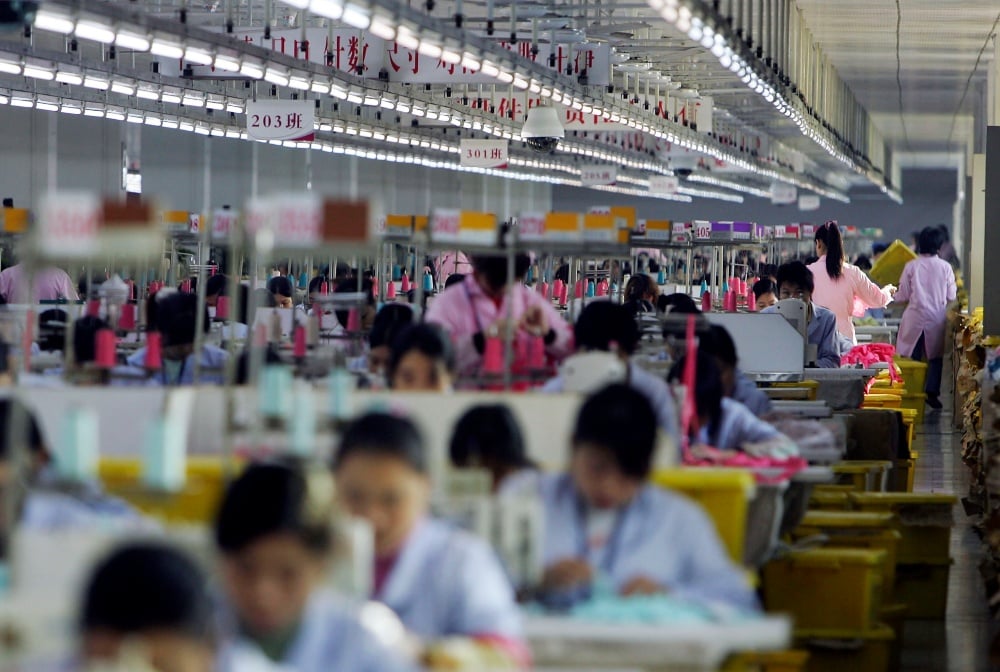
(330, 637)
(446, 582)
(213, 362)
(659, 535)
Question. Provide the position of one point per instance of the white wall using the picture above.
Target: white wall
(89, 157)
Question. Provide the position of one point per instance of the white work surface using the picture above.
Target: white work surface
(578, 645)
(767, 346)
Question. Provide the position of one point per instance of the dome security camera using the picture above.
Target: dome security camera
(542, 130)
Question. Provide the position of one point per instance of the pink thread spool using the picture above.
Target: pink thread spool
(104, 349)
(154, 351)
(578, 290)
(94, 308)
(536, 353)
(602, 288)
(353, 321)
(260, 335)
(375, 289)
(751, 302)
(131, 290)
(706, 302)
(186, 287)
(557, 290)
(731, 301)
(222, 308)
(390, 290)
(404, 284)
(126, 321)
(493, 356)
(301, 345)
(324, 287)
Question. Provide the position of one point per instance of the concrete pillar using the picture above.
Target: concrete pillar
(991, 237)
(977, 239)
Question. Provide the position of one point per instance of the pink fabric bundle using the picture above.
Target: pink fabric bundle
(873, 353)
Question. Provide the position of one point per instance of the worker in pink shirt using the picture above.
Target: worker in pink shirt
(478, 307)
(838, 283)
(51, 284)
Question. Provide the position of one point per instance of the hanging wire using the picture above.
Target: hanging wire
(968, 81)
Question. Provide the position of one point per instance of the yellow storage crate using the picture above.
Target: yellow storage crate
(910, 422)
(894, 616)
(863, 475)
(924, 520)
(882, 401)
(915, 402)
(810, 386)
(889, 267)
(901, 476)
(855, 529)
(767, 661)
(868, 651)
(826, 589)
(923, 588)
(914, 374)
(821, 500)
(196, 503)
(725, 495)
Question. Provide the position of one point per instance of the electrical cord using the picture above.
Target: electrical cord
(968, 81)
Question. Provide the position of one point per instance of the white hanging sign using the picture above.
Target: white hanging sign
(531, 226)
(286, 120)
(809, 202)
(484, 153)
(285, 221)
(224, 223)
(783, 193)
(666, 185)
(445, 225)
(68, 224)
(593, 176)
(599, 210)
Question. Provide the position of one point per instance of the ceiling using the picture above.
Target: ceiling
(939, 43)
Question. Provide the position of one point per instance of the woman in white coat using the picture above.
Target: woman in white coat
(604, 521)
(274, 535)
(928, 286)
(441, 581)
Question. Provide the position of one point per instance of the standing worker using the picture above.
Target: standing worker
(838, 283)
(928, 286)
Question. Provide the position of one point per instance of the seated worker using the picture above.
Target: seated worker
(641, 294)
(215, 287)
(146, 606)
(389, 322)
(604, 326)
(735, 385)
(51, 284)
(282, 290)
(422, 360)
(489, 437)
(477, 308)
(368, 310)
(795, 281)
(175, 317)
(274, 534)
(724, 423)
(42, 501)
(680, 304)
(765, 293)
(441, 581)
(604, 521)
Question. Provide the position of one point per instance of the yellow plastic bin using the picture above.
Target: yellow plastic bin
(910, 422)
(914, 402)
(855, 529)
(826, 588)
(820, 500)
(894, 616)
(889, 267)
(863, 475)
(811, 387)
(725, 495)
(767, 661)
(924, 520)
(923, 588)
(883, 400)
(914, 374)
(867, 651)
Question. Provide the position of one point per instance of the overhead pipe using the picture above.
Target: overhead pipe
(759, 32)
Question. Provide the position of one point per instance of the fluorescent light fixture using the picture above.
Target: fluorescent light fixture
(320, 87)
(39, 72)
(153, 120)
(252, 70)
(382, 27)
(92, 110)
(115, 114)
(218, 132)
(125, 87)
(134, 118)
(520, 82)
(170, 122)
(297, 4)
(71, 108)
(9, 66)
(452, 57)
(148, 92)
(355, 96)
(94, 30)
(430, 49)
(215, 102)
(166, 48)
(232, 134)
(132, 41)
(192, 99)
(69, 77)
(202, 129)
(96, 82)
(172, 96)
(234, 105)
(332, 9)
(338, 92)
(356, 16)
(471, 62)
(22, 100)
(407, 38)
(227, 63)
(47, 104)
(52, 20)
(300, 83)
(185, 125)
(276, 76)
(198, 56)
(505, 77)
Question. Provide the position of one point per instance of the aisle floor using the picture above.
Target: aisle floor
(960, 644)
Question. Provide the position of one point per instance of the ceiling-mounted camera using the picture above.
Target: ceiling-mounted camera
(542, 130)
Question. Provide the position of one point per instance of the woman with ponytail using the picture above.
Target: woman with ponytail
(839, 283)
